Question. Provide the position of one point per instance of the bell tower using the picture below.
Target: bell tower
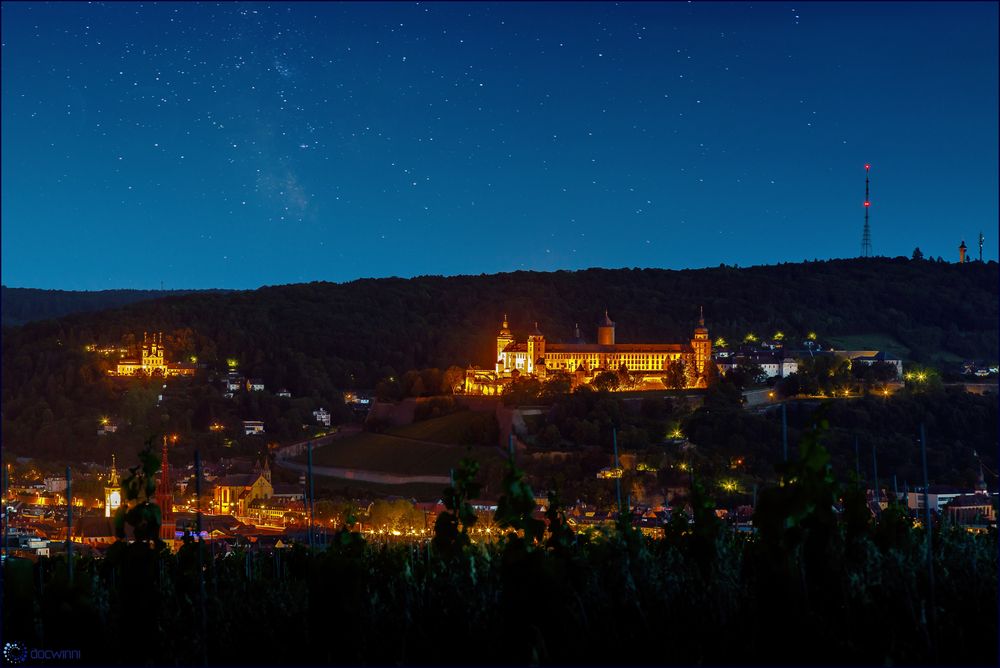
(165, 500)
(112, 491)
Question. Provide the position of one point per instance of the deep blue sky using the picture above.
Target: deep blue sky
(242, 144)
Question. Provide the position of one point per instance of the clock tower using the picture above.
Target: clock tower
(112, 491)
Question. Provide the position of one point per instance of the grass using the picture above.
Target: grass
(397, 453)
(449, 429)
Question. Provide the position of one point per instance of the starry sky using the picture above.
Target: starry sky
(236, 145)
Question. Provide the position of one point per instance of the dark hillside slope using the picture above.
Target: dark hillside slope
(319, 337)
(22, 305)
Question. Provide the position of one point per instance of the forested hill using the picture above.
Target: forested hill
(316, 339)
(353, 333)
(21, 305)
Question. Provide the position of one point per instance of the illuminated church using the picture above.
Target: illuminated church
(152, 361)
(645, 362)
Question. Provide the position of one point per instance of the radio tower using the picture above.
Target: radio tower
(866, 237)
(981, 240)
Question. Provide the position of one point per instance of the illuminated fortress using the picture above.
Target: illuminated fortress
(646, 362)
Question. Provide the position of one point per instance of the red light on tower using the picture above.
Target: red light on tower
(868, 166)
(868, 203)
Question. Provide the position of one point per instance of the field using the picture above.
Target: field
(870, 342)
(423, 448)
(448, 429)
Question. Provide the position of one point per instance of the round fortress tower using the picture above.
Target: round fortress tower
(606, 331)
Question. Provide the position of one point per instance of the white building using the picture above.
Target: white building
(322, 416)
(251, 427)
(938, 496)
(55, 484)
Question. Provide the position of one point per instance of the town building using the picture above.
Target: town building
(322, 416)
(233, 493)
(152, 361)
(275, 511)
(971, 510)
(646, 362)
(938, 496)
(55, 483)
(251, 427)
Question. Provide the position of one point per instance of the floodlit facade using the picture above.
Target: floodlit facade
(152, 361)
(647, 362)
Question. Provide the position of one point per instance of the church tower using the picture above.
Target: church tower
(504, 339)
(266, 471)
(961, 252)
(165, 500)
(606, 331)
(701, 345)
(112, 491)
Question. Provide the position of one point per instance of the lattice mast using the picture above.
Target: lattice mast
(866, 236)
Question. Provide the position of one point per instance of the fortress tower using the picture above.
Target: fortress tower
(701, 345)
(504, 339)
(536, 348)
(606, 331)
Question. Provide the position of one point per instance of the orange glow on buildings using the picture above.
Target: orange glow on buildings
(647, 362)
(152, 361)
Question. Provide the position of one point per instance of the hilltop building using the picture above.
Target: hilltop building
(537, 357)
(152, 361)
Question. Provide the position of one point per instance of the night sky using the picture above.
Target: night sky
(243, 144)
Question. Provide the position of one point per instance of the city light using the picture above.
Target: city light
(811, 336)
(232, 362)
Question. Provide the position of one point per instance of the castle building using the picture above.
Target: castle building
(152, 361)
(645, 362)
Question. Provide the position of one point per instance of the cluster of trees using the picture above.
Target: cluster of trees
(961, 428)
(828, 375)
(421, 383)
(316, 339)
(860, 589)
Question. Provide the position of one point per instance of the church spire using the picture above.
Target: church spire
(701, 316)
(113, 480)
